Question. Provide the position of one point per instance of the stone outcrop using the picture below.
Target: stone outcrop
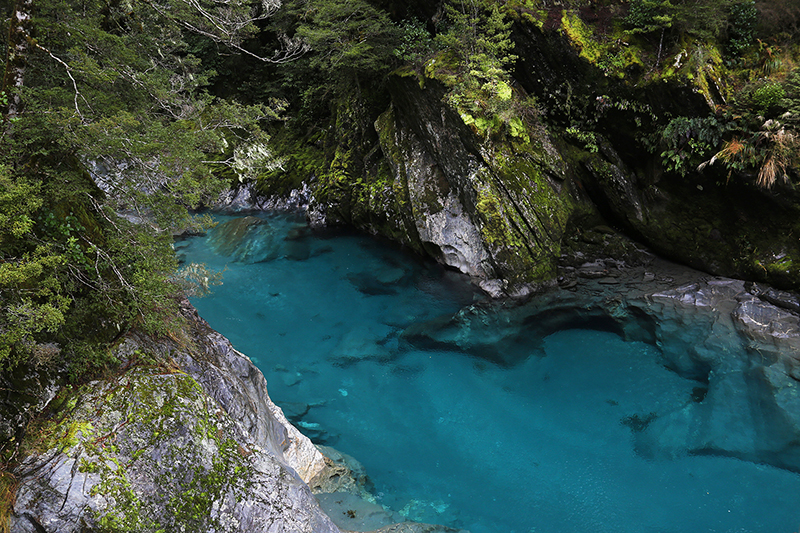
(196, 445)
(244, 197)
(714, 221)
(496, 209)
(732, 229)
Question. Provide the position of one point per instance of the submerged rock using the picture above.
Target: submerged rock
(250, 239)
(742, 351)
(364, 344)
(352, 513)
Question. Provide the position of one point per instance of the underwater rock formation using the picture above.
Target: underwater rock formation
(751, 406)
(722, 333)
(251, 239)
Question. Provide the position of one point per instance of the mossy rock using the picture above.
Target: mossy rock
(150, 451)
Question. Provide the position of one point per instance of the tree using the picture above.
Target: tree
(106, 114)
(348, 39)
(651, 16)
(477, 39)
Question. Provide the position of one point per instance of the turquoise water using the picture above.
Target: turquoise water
(545, 445)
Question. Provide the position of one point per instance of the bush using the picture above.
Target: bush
(764, 99)
(743, 21)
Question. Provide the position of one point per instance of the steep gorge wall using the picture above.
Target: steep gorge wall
(497, 208)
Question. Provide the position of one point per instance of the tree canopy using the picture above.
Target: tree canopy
(106, 113)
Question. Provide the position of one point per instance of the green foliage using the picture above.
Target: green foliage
(588, 139)
(648, 16)
(32, 295)
(773, 151)
(478, 45)
(791, 100)
(111, 90)
(743, 21)
(765, 98)
(707, 21)
(416, 44)
(348, 38)
(688, 141)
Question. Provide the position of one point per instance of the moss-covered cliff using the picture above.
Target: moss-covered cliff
(596, 112)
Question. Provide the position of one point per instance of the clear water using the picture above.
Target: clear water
(542, 446)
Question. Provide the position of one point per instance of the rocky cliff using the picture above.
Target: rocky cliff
(190, 445)
(407, 165)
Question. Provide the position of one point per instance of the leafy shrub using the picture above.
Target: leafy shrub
(648, 16)
(416, 43)
(478, 45)
(689, 140)
(763, 98)
(791, 100)
(772, 150)
(743, 21)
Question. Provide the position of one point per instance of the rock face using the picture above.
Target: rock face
(493, 209)
(737, 230)
(496, 210)
(244, 197)
(405, 165)
(159, 448)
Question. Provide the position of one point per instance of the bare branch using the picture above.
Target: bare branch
(228, 27)
(69, 73)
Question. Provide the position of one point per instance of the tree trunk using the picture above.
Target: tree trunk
(16, 56)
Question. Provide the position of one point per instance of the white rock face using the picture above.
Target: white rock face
(202, 448)
(447, 225)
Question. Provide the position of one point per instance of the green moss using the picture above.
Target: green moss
(161, 405)
(109, 428)
(617, 54)
(523, 216)
(699, 65)
(581, 36)
(8, 489)
(495, 228)
(303, 159)
(444, 67)
(56, 429)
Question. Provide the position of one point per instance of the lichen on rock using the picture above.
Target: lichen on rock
(162, 449)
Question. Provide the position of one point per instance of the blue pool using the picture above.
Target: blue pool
(545, 444)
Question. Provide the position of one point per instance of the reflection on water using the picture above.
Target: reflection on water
(545, 441)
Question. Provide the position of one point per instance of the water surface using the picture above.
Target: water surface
(546, 445)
